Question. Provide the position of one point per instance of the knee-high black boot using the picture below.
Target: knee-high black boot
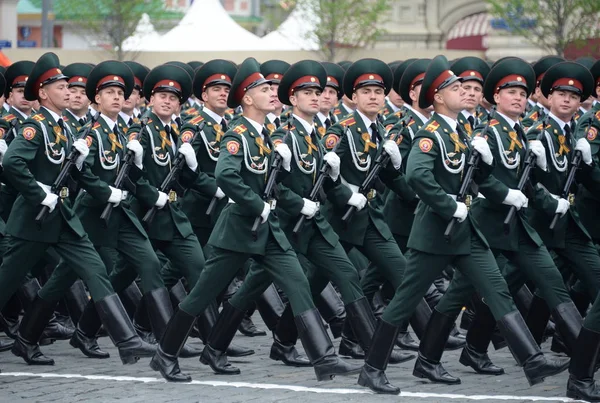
(76, 299)
(270, 307)
(30, 331)
(331, 307)
(537, 318)
(419, 322)
(284, 341)
(581, 385)
(568, 324)
(85, 336)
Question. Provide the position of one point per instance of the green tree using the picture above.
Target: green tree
(552, 25)
(108, 21)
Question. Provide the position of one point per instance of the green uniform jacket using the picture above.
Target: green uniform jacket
(399, 209)
(307, 157)
(434, 172)
(159, 153)
(124, 126)
(536, 113)
(104, 161)
(242, 172)
(509, 153)
(207, 146)
(190, 112)
(357, 154)
(392, 118)
(465, 124)
(588, 197)
(482, 115)
(552, 183)
(8, 193)
(72, 121)
(36, 154)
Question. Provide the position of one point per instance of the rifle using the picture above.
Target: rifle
(529, 163)
(276, 166)
(63, 176)
(316, 189)
(173, 173)
(123, 174)
(13, 131)
(575, 162)
(367, 184)
(468, 178)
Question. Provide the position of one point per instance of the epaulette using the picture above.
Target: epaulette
(412, 122)
(240, 129)
(38, 118)
(96, 125)
(230, 111)
(540, 126)
(9, 117)
(191, 111)
(399, 113)
(197, 119)
(65, 118)
(337, 111)
(433, 126)
(348, 121)
(384, 111)
(534, 116)
(494, 122)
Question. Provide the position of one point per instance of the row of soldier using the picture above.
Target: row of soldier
(374, 178)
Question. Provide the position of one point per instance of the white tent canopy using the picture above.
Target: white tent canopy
(144, 35)
(205, 27)
(296, 32)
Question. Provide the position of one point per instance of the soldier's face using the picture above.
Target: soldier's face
(452, 97)
(16, 98)
(278, 104)
(78, 101)
(564, 104)
(329, 98)
(473, 94)
(539, 95)
(165, 104)
(395, 99)
(55, 95)
(110, 101)
(511, 101)
(262, 98)
(131, 102)
(215, 98)
(306, 101)
(369, 100)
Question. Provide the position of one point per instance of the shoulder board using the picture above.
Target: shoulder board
(9, 117)
(384, 111)
(196, 120)
(65, 118)
(348, 122)
(433, 126)
(286, 129)
(412, 122)
(96, 125)
(191, 111)
(240, 129)
(494, 122)
(230, 111)
(38, 118)
(540, 126)
(336, 111)
(533, 116)
(149, 121)
(399, 113)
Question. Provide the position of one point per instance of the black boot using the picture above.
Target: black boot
(9, 318)
(419, 322)
(372, 374)
(214, 353)
(31, 328)
(568, 322)
(174, 337)
(284, 341)
(361, 318)
(474, 354)
(331, 307)
(349, 346)
(319, 348)
(121, 331)
(270, 307)
(160, 311)
(248, 328)
(526, 351)
(581, 385)
(141, 323)
(580, 299)
(537, 318)
(131, 297)
(405, 340)
(428, 363)
(85, 336)
(76, 299)
(6, 345)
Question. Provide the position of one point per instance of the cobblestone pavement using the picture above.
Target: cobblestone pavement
(75, 378)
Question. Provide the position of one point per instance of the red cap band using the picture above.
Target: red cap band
(510, 78)
(113, 78)
(472, 74)
(137, 82)
(571, 82)
(418, 78)
(274, 76)
(47, 75)
(368, 77)
(252, 78)
(332, 81)
(19, 79)
(167, 83)
(539, 79)
(77, 80)
(437, 82)
(216, 77)
(302, 81)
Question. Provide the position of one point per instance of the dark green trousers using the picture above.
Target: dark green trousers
(78, 253)
(373, 278)
(422, 268)
(222, 265)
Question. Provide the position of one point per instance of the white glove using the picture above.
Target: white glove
(516, 198)
(81, 146)
(358, 200)
(3, 148)
(50, 200)
(481, 145)
(283, 150)
(461, 210)
(138, 153)
(586, 151)
(391, 148)
(265, 213)
(310, 208)
(333, 160)
(538, 149)
(563, 206)
(219, 194)
(116, 195)
(188, 152)
(162, 199)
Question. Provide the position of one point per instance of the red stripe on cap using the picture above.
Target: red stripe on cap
(367, 76)
(216, 77)
(274, 76)
(252, 78)
(471, 74)
(106, 79)
(137, 82)
(77, 79)
(508, 79)
(167, 83)
(539, 79)
(414, 81)
(332, 81)
(55, 71)
(437, 82)
(568, 81)
(301, 81)
(19, 79)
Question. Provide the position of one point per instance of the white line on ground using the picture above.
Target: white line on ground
(293, 388)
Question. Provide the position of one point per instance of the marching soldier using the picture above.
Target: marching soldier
(330, 96)
(472, 72)
(540, 109)
(75, 116)
(393, 101)
(435, 169)
(273, 70)
(393, 117)
(129, 113)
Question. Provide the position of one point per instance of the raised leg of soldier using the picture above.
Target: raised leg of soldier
(582, 257)
(186, 255)
(385, 254)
